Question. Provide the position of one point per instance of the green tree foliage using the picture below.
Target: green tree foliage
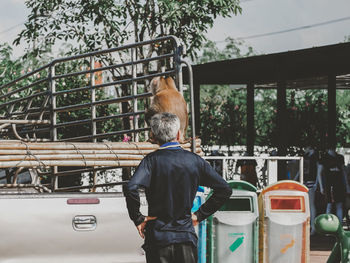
(9, 69)
(343, 120)
(223, 108)
(265, 110)
(110, 23)
(233, 49)
(94, 25)
(307, 115)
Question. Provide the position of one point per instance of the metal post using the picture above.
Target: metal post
(53, 102)
(93, 111)
(224, 168)
(93, 98)
(197, 104)
(250, 119)
(134, 92)
(301, 169)
(332, 112)
(282, 128)
(52, 82)
(193, 124)
(177, 64)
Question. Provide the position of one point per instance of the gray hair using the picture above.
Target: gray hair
(165, 126)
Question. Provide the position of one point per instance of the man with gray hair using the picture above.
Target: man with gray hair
(170, 177)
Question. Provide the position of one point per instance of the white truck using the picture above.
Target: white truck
(77, 227)
(67, 227)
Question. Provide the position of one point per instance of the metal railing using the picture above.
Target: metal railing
(266, 167)
(43, 94)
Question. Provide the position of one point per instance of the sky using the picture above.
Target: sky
(267, 16)
(319, 20)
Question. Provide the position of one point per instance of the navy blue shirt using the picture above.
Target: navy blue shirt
(170, 177)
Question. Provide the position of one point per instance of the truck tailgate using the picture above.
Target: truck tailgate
(67, 228)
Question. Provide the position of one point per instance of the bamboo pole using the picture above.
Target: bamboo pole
(84, 146)
(71, 157)
(46, 163)
(58, 152)
(19, 154)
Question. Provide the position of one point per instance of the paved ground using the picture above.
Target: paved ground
(320, 247)
(319, 256)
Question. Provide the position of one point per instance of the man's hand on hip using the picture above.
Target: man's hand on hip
(141, 227)
(194, 220)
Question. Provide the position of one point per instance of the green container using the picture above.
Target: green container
(233, 230)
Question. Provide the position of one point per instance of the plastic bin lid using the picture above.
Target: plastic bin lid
(237, 185)
(241, 185)
(286, 185)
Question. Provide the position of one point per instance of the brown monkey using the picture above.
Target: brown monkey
(166, 98)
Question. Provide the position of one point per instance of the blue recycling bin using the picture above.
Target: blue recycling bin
(201, 229)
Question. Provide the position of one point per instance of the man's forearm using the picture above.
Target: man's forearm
(213, 203)
(133, 204)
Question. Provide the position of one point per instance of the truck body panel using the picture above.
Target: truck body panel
(46, 228)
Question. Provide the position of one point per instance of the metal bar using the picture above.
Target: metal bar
(123, 81)
(95, 53)
(111, 50)
(134, 93)
(178, 68)
(282, 127)
(25, 121)
(93, 98)
(79, 171)
(54, 179)
(31, 111)
(53, 116)
(29, 104)
(301, 170)
(193, 124)
(25, 76)
(271, 158)
(252, 158)
(98, 119)
(23, 88)
(101, 102)
(93, 189)
(103, 135)
(15, 175)
(122, 115)
(33, 130)
(250, 119)
(113, 66)
(197, 96)
(332, 112)
(23, 99)
(52, 77)
(89, 186)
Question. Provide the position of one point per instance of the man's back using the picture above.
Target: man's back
(170, 177)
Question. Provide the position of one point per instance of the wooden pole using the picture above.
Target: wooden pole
(60, 152)
(80, 163)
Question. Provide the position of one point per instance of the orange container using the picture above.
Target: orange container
(284, 223)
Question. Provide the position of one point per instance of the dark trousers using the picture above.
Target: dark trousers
(174, 253)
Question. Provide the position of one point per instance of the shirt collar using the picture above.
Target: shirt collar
(173, 145)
